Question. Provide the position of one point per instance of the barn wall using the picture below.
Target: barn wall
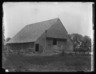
(22, 47)
(61, 45)
(48, 47)
(42, 43)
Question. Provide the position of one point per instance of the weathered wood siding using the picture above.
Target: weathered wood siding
(61, 45)
(42, 43)
(47, 44)
(22, 47)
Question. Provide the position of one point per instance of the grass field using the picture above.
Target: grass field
(65, 63)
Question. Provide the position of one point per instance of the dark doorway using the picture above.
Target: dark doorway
(37, 47)
(54, 42)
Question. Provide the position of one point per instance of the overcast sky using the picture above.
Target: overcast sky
(76, 17)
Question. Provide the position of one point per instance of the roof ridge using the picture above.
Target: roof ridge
(44, 21)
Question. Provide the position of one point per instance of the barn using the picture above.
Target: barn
(43, 38)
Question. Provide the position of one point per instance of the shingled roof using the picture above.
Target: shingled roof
(32, 32)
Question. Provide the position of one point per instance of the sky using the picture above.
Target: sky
(75, 16)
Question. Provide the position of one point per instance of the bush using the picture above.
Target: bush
(81, 44)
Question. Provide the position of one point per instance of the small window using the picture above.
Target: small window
(54, 42)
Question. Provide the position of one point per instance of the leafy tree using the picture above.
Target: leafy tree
(76, 39)
(86, 43)
(80, 43)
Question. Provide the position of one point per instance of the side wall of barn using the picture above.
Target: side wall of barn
(58, 48)
(47, 47)
(42, 43)
(21, 48)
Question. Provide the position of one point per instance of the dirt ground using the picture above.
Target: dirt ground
(65, 63)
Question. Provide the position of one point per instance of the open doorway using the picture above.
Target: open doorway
(54, 42)
(36, 47)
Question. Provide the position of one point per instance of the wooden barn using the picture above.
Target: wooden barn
(46, 38)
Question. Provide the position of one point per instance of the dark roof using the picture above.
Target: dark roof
(32, 32)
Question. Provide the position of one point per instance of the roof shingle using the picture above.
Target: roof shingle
(32, 32)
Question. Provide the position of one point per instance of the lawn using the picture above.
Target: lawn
(65, 63)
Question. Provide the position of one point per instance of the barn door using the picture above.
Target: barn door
(36, 47)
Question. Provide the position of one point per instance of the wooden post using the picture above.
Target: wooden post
(45, 39)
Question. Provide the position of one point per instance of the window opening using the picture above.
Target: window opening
(37, 47)
(54, 42)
